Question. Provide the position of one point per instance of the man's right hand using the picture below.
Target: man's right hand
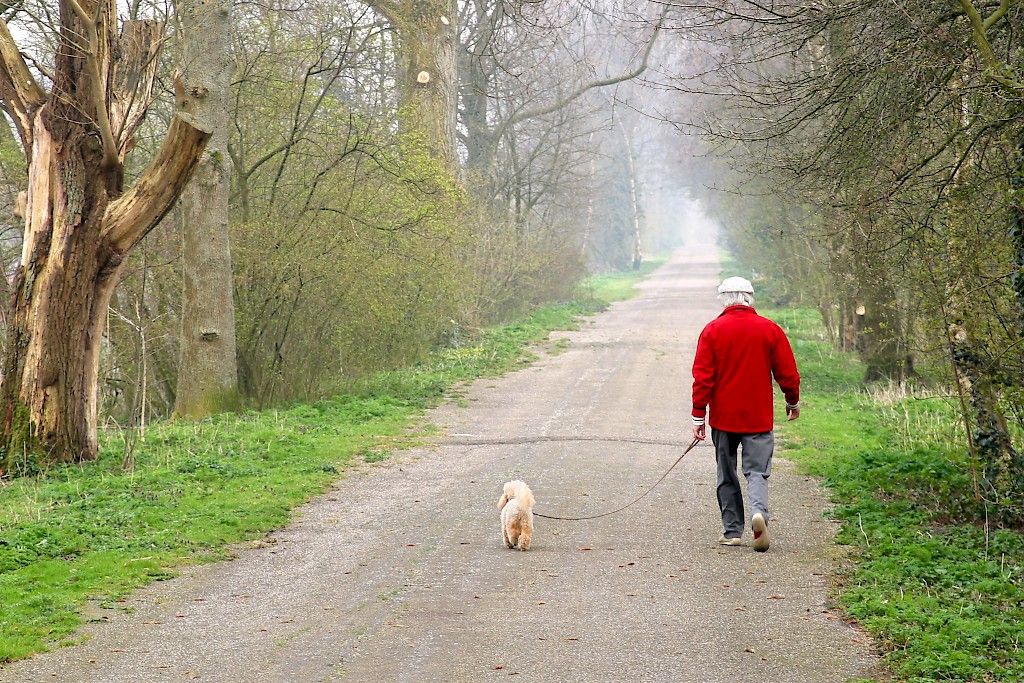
(699, 432)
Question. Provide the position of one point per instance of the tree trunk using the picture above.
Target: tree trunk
(1017, 228)
(79, 226)
(62, 290)
(1003, 466)
(429, 77)
(634, 197)
(208, 374)
(881, 330)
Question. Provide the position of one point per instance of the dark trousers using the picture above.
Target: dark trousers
(757, 450)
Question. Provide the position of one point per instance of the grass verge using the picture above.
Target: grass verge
(942, 594)
(191, 490)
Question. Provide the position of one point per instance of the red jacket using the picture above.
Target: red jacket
(737, 354)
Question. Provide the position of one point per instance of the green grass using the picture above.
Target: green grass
(95, 532)
(943, 596)
(609, 287)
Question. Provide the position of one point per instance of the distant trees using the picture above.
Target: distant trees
(372, 178)
(897, 128)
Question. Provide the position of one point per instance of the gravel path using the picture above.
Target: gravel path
(399, 573)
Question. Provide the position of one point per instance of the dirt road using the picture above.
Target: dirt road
(399, 574)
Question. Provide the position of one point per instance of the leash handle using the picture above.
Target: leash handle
(689, 448)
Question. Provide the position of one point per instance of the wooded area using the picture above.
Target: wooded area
(275, 200)
(874, 155)
(371, 180)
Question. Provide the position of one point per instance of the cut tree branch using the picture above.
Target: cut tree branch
(18, 87)
(131, 216)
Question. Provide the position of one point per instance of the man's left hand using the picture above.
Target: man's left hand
(792, 414)
(699, 432)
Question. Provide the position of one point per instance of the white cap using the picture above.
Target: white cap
(735, 284)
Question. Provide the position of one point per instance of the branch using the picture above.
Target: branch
(389, 9)
(132, 215)
(131, 83)
(583, 89)
(97, 88)
(18, 87)
(997, 70)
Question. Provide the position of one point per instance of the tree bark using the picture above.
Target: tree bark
(1017, 229)
(78, 229)
(428, 76)
(208, 373)
(1002, 465)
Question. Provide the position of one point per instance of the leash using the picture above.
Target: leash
(632, 502)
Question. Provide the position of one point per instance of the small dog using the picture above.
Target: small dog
(516, 505)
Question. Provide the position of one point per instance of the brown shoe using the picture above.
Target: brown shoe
(725, 540)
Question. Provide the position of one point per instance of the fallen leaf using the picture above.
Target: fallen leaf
(750, 650)
(499, 667)
(586, 548)
(777, 596)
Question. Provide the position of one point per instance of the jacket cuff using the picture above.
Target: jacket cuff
(792, 406)
(697, 421)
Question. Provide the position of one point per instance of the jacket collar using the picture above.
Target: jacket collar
(738, 308)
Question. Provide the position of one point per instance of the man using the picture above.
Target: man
(738, 353)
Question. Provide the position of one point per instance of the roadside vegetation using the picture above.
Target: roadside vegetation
(937, 584)
(185, 492)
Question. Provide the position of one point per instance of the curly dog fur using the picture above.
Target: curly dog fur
(516, 505)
